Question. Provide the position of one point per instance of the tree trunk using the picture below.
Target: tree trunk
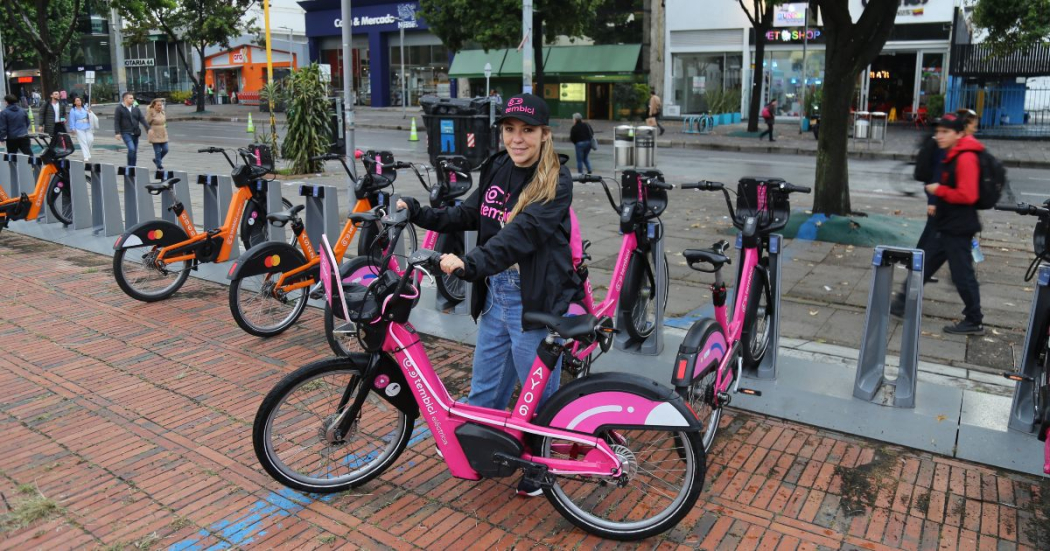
(832, 175)
(49, 74)
(756, 81)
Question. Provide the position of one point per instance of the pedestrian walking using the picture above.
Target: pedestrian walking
(14, 127)
(158, 131)
(36, 98)
(495, 96)
(582, 136)
(80, 125)
(63, 97)
(126, 121)
(955, 222)
(769, 115)
(209, 94)
(53, 115)
(656, 108)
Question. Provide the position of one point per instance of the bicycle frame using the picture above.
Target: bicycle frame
(228, 231)
(36, 199)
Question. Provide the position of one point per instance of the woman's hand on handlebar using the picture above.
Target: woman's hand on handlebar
(401, 204)
(450, 263)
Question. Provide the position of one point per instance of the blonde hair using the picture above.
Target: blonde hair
(155, 101)
(544, 184)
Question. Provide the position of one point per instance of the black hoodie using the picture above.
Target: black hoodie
(537, 240)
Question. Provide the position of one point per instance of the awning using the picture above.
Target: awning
(471, 63)
(606, 59)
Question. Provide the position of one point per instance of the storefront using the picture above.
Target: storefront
(376, 50)
(712, 60)
(243, 69)
(154, 66)
(577, 79)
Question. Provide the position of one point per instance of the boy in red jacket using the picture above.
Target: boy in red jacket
(955, 222)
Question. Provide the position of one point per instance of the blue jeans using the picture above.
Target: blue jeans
(159, 151)
(132, 143)
(583, 152)
(504, 353)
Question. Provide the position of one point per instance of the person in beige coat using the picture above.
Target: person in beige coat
(158, 131)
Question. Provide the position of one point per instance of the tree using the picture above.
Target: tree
(47, 26)
(492, 24)
(761, 17)
(1013, 25)
(308, 134)
(616, 22)
(200, 23)
(850, 48)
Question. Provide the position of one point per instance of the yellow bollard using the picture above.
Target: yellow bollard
(413, 136)
(32, 124)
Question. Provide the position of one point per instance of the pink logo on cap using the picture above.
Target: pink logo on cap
(514, 101)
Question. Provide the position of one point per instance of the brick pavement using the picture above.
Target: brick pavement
(135, 419)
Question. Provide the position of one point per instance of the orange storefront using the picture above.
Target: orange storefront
(243, 69)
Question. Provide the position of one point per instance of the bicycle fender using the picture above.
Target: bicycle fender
(703, 347)
(265, 258)
(616, 401)
(392, 386)
(154, 232)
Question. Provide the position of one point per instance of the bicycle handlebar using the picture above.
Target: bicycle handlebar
(792, 188)
(704, 185)
(327, 157)
(210, 150)
(657, 183)
(587, 178)
(1025, 209)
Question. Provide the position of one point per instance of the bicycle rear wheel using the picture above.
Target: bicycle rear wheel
(59, 198)
(291, 437)
(663, 476)
(262, 310)
(638, 296)
(140, 276)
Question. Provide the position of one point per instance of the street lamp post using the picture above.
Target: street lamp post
(348, 85)
(526, 46)
(3, 70)
(404, 78)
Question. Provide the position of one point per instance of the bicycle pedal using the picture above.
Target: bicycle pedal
(750, 392)
(1017, 377)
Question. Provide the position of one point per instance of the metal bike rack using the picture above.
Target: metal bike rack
(182, 193)
(10, 184)
(138, 205)
(78, 194)
(27, 171)
(322, 210)
(872, 365)
(1022, 415)
(105, 203)
(274, 204)
(218, 192)
(767, 368)
(443, 305)
(654, 344)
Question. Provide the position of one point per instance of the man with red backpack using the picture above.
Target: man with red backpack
(769, 115)
(955, 221)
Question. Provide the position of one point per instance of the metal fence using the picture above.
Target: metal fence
(1005, 111)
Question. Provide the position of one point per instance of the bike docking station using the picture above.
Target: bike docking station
(767, 368)
(20, 174)
(652, 345)
(218, 193)
(871, 368)
(182, 194)
(105, 203)
(1022, 417)
(461, 308)
(79, 194)
(138, 205)
(321, 215)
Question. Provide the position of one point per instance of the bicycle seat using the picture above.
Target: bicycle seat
(363, 217)
(573, 327)
(692, 256)
(163, 186)
(282, 218)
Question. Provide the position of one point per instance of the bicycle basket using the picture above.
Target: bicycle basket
(378, 176)
(656, 199)
(454, 185)
(245, 174)
(262, 157)
(754, 198)
(1040, 237)
(60, 147)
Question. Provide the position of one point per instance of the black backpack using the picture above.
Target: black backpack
(924, 160)
(992, 180)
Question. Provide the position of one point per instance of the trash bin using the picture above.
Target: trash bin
(645, 147)
(623, 146)
(459, 126)
(878, 126)
(336, 126)
(860, 125)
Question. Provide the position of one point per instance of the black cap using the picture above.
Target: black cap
(951, 122)
(527, 108)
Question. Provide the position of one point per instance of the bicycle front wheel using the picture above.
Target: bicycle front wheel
(758, 319)
(638, 296)
(142, 277)
(59, 198)
(663, 475)
(262, 310)
(291, 433)
(450, 286)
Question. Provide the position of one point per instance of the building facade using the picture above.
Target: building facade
(710, 48)
(376, 50)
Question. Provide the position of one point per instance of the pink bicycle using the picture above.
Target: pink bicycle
(643, 197)
(618, 455)
(703, 371)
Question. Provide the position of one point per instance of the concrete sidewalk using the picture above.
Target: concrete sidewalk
(900, 144)
(129, 424)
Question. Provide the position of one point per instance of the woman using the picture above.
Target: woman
(80, 125)
(522, 262)
(158, 131)
(769, 115)
(581, 135)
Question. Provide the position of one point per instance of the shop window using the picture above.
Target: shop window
(786, 77)
(698, 78)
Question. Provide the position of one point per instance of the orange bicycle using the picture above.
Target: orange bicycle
(153, 259)
(270, 283)
(52, 183)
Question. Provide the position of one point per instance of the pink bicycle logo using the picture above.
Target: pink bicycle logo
(493, 194)
(514, 101)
